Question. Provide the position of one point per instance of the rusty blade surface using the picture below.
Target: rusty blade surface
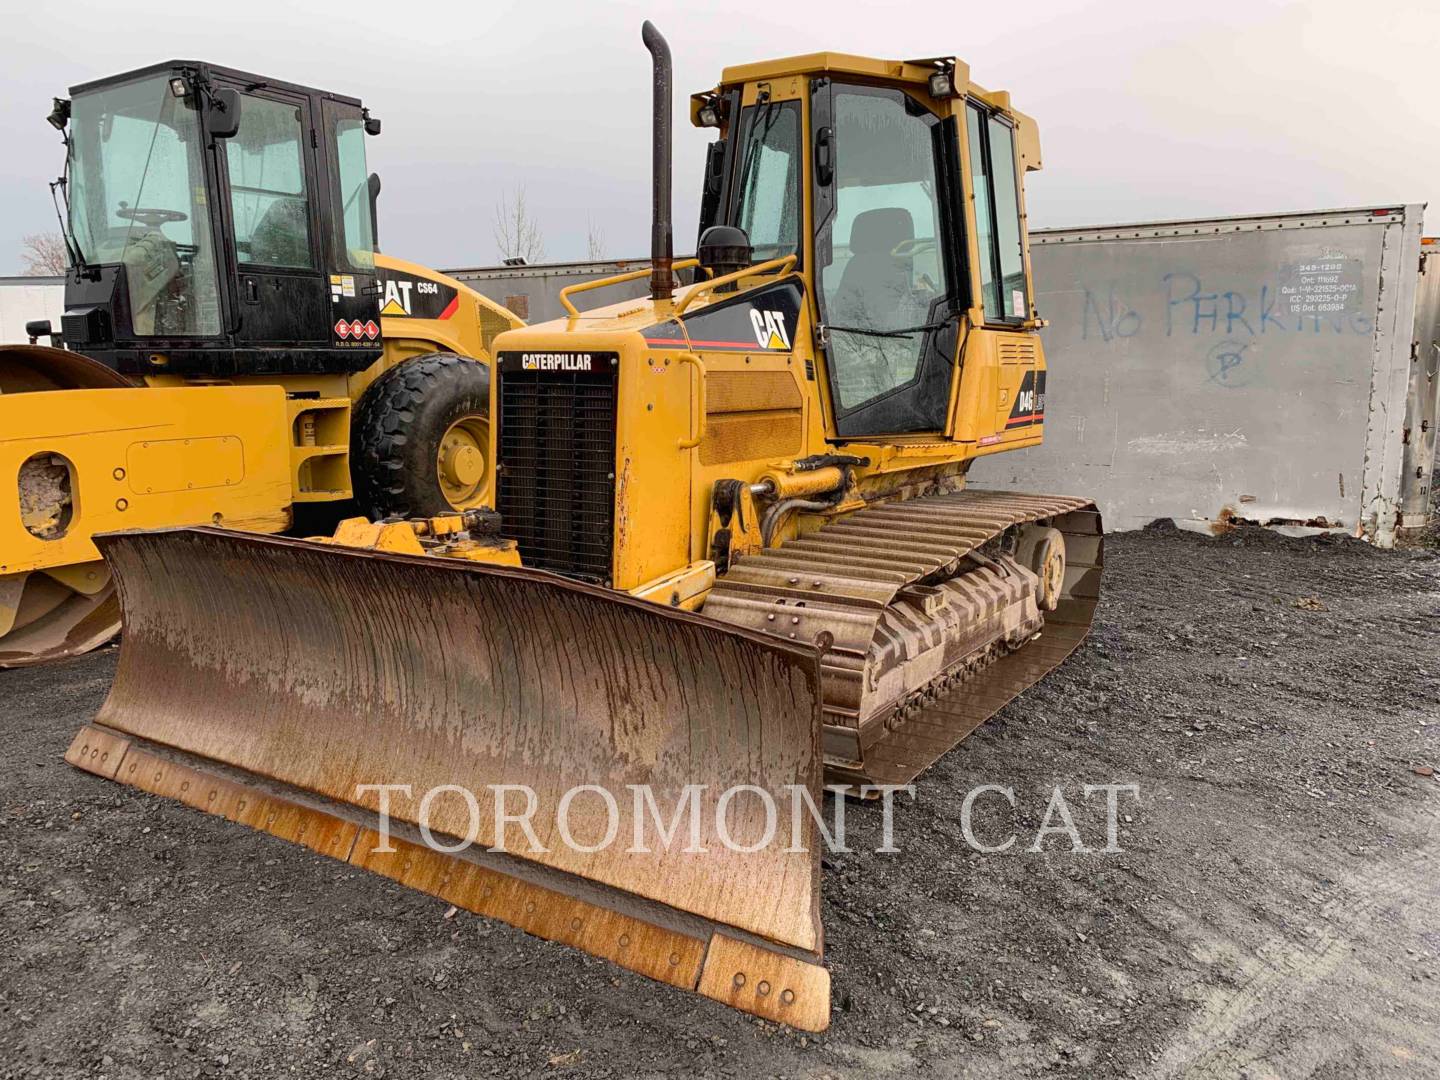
(654, 940)
(327, 668)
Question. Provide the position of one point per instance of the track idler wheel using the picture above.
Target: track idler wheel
(1041, 550)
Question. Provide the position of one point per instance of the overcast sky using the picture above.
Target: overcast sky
(1146, 109)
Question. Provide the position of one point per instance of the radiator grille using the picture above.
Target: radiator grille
(557, 468)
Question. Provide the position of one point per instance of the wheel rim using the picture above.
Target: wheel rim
(460, 462)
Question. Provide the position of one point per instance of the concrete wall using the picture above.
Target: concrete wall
(25, 299)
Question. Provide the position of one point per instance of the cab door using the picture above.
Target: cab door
(886, 243)
(1004, 400)
(269, 185)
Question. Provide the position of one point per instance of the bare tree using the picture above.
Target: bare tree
(517, 234)
(594, 243)
(44, 254)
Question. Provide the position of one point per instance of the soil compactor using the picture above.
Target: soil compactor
(238, 353)
(750, 562)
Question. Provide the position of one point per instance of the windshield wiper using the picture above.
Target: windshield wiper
(766, 115)
(60, 190)
(904, 331)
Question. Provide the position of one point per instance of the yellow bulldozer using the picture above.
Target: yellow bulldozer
(749, 564)
(238, 353)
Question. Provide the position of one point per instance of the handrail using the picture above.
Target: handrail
(614, 279)
(780, 265)
(697, 424)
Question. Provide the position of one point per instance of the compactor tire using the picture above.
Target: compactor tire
(420, 436)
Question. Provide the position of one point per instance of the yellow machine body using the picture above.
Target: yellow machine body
(749, 561)
(84, 450)
(756, 402)
(320, 406)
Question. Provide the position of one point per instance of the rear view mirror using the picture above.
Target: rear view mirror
(714, 167)
(373, 185)
(222, 113)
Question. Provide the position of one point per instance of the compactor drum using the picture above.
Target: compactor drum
(732, 555)
(48, 609)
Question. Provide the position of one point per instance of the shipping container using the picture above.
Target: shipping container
(1237, 369)
(1423, 405)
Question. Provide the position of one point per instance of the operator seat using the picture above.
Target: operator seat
(875, 287)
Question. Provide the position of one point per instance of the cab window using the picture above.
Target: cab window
(997, 216)
(353, 225)
(138, 198)
(268, 202)
(768, 203)
(887, 269)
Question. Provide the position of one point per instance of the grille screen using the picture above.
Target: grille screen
(557, 467)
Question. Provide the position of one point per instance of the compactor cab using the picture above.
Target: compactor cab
(221, 224)
(255, 352)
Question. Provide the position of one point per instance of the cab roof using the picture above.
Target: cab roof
(867, 67)
(838, 63)
(245, 78)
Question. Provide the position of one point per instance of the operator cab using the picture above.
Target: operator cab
(220, 224)
(893, 155)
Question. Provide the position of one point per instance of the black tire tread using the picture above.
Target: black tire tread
(397, 427)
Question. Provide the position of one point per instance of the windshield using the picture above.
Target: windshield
(137, 197)
(768, 203)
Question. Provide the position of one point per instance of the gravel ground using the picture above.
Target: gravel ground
(1275, 911)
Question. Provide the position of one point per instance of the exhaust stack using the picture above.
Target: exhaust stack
(662, 253)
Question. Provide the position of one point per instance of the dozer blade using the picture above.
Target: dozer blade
(268, 680)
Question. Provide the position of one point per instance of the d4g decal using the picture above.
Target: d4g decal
(408, 296)
(1029, 407)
